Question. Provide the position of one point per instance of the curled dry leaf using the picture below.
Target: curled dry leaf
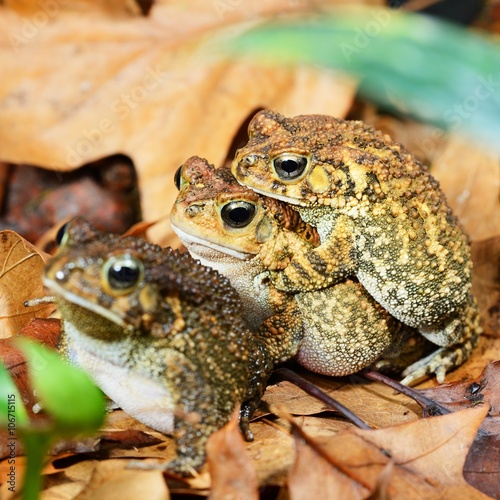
(21, 266)
(109, 444)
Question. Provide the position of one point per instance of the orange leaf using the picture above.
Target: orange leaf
(422, 459)
(21, 266)
(232, 471)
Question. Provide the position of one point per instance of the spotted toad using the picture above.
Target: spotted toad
(381, 217)
(334, 331)
(160, 334)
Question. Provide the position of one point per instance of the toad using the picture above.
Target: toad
(160, 334)
(381, 217)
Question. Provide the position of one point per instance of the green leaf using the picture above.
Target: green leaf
(12, 411)
(66, 393)
(409, 63)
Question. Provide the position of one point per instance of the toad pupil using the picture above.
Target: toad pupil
(290, 168)
(238, 213)
(124, 273)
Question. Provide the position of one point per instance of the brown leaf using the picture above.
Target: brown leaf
(378, 405)
(486, 282)
(434, 447)
(139, 230)
(485, 390)
(482, 467)
(469, 177)
(313, 476)
(104, 191)
(130, 485)
(271, 451)
(115, 8)
(45, 331)
(232, 472)
(119, 443)
(428, 457)
(105, 480)
(21, 266)
(145, 87)
(20, 466)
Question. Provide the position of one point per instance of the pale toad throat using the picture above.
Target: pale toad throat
(148, 400)
(72, 298)
(188, 239)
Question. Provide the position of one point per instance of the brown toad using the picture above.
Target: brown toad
(335, 331)
(381, 217)
(160, 334)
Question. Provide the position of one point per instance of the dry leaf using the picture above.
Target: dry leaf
(428, 457)
(482, 467)
(469, 177)
(130, 485)
(486, 282)
(369, 401)
(104, 479)
(21, 266)
(484, 390)
(232, 472)
(154, 88)
(45, 331)
(38, 199)
(5, 494)
(271, 452)
(71, 481)
(313, 476)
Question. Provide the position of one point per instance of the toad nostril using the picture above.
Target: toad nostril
(193, 210)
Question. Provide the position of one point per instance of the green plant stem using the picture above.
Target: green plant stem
(38, 445)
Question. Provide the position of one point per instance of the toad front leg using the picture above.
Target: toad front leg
(198, 413)
(325, 265)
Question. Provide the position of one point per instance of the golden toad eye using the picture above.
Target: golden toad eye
(121, 273)
(62, 234)
(289, 167)
(178, 178)
(238, 213)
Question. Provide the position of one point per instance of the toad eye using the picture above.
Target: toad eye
(289, 167)
(178, 178)
(62, 234)
(238, 213)
(121, 273)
